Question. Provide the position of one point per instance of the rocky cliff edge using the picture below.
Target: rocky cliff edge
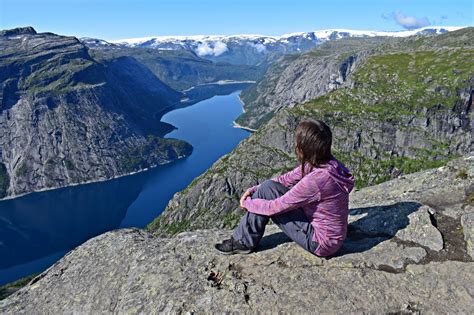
(409, 249)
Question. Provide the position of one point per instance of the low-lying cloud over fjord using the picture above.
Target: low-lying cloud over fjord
(215, 49)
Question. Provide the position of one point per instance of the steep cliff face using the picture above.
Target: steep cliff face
(67, 119)
(403, 112)
(405, 235)
(298, 78)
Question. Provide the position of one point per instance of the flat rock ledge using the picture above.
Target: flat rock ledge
(129, 271)
(409, 249)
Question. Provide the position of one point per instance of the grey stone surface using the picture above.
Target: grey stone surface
(408, 221)
(467, 222)
(376, 271)
(385, 220)
(420, 230)
(129, 271)
(291, 82)
(457, 210)
(393, 259)
(383, 253)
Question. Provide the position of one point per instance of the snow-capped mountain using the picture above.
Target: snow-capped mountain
(94, 42)
(252, 49)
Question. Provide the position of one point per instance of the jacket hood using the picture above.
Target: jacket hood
(341, 175)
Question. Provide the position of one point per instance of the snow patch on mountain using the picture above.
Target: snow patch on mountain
(264, 39)
(251, 49)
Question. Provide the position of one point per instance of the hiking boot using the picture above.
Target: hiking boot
(231, 246)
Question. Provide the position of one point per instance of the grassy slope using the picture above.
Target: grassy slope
(390, 86)
(10, 288)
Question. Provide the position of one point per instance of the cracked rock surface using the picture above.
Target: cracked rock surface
(403, 253)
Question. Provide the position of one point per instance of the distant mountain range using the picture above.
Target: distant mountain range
(252, 49)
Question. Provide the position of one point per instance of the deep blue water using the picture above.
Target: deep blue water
(38, 229)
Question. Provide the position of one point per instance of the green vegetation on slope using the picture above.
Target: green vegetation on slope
(10, 288)
(55, 64)
(262, 100)
(387, 89)
(164, 149)
(389, 86)
(22, 169)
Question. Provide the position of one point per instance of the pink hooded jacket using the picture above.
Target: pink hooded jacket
(323, 194)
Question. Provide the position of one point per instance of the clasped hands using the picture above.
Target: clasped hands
(246, 194)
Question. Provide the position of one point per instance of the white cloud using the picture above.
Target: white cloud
(259, 47)
(204, 50)
(211, 49)
(219, 48)
(409, 22)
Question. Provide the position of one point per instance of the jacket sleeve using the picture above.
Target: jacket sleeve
(304, 192)
(253, 189)
(288, 179)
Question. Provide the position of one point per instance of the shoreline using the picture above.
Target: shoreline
(89, 181)
(220, 82)
(236, 125)
(187, 100)
(106, 181)
(161, 113)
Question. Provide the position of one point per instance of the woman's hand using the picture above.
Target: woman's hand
(246, 194)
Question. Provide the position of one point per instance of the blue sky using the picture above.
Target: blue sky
(116, 19)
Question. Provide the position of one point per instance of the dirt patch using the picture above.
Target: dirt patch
(454, 244)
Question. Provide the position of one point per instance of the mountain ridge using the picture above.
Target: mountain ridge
(252, 49)
(325, 33)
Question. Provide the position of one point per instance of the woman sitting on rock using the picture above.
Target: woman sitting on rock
(309, 204)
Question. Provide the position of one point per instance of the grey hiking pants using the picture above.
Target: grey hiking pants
(293, 223)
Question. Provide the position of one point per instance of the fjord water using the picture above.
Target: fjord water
(38, 229)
